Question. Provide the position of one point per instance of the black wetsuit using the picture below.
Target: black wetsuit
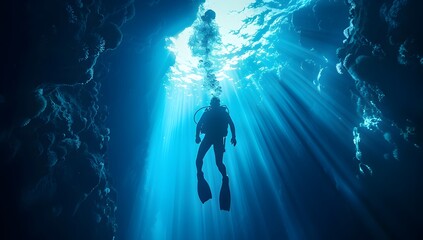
(214, 123)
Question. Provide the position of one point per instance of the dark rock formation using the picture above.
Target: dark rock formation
(54, 141)
(53, 138)
(383, 47)
(381, 55)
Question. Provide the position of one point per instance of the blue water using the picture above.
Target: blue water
(292, 172)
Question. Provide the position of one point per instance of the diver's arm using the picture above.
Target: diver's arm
(232, 127)
(198, 129)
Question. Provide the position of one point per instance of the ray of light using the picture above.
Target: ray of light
(283, 125)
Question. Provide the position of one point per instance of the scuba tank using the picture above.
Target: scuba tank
(208, 109)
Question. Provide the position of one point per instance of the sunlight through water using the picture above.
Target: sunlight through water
(283, 121)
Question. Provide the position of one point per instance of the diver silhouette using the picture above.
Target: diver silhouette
(214, 124)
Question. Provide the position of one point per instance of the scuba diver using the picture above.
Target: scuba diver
(214, 124)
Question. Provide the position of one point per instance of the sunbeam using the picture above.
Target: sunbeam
(287, 129)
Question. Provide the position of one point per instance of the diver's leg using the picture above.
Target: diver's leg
(203, 188)
(225, 194)
(202, 150)
(219, 149)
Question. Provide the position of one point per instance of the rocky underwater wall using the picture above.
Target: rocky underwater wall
(53, 138)
(55, 162)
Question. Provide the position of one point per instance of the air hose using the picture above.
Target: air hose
(195, 114)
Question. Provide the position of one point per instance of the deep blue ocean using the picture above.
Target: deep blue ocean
(298, 170)
(100, 100)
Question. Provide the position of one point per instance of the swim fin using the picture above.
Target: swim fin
(203, 188)
(225, 195)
